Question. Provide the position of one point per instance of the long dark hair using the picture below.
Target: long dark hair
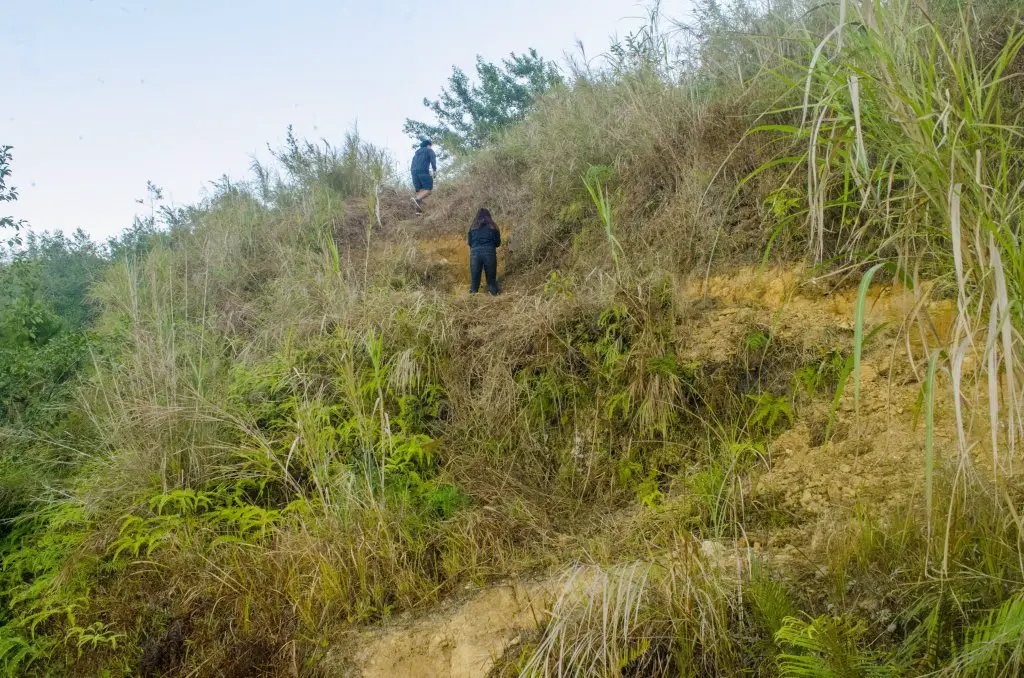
(483, 218)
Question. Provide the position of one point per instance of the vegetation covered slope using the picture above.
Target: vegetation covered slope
(288, 427)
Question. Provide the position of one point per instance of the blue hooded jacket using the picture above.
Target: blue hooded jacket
(424, 161)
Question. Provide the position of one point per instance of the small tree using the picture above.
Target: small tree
(470, 114)
(8, 194)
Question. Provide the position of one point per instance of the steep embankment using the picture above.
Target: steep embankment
(357, 469)
(795, 505)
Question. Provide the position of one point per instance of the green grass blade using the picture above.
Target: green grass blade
(929, 437)
(858, 331)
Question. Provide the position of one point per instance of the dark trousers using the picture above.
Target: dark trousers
(483, 259)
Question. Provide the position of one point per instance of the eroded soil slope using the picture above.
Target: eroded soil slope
(832, 459)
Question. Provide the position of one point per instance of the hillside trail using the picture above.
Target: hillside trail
(440, 240)
(451, 252)
(873, 458)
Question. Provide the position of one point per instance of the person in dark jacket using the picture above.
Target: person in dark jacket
(484, 238)
(423, 163)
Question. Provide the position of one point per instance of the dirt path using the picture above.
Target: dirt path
(451, 252)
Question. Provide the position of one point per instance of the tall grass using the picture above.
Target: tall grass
(914, 154)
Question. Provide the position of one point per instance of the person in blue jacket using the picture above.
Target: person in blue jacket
(423, 163)
(484, 238)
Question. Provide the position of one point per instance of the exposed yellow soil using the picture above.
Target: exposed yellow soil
(452, 254)
(876, 455)
(463, 640)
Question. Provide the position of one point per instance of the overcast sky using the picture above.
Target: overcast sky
(99, 96)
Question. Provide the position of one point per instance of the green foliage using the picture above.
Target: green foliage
(995, 644)
(354, 169)
(602, 201)
(757, 341)
(771, 601)
(8, 194)
(38, 593)
(385, 406)
(646, 486)
(66, 270)
(40, 351)
(821, 374)
(38, 378)
(858, 330)
(781, 209)
(558, 284)
(827, 647)
(717, 485)
(469, 115)
(782, 203)
(187, 519)
(26, 317)
(277, 442)
(443, 500)
(768, 413)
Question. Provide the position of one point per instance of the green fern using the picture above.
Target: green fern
(17, 652)
(142, 536)
(995, 645)
(769, 413)
(827, 647)
(633, 654)
(770, 600)
(93, 636)
(182, 501)
(247, 522)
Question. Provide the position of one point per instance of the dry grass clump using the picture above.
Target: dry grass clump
(669, 617)
(655, 147)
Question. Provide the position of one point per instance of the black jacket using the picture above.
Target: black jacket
(484, 236)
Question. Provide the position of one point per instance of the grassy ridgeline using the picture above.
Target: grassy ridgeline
(289, 426)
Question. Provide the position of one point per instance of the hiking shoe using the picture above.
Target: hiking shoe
(416, 204)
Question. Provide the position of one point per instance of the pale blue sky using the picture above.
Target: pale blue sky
(97, 96)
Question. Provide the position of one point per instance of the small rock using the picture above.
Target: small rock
(844, 468)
